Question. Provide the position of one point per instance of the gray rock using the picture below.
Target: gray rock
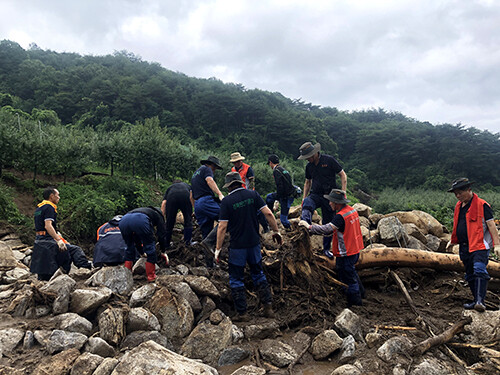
(182, 269)
(60, 340)
(250, 370)
(7, 259)
(140, 319)
(173, 312)
(237, 334)
(391, 231)
(156, 358)
(71, 322)
(277, 353)
(19, 255)
(23, 303)
(346, 370)
(217, 316)
(59, 364)
(86, 301)
(112, 325)
(325, 344)
(138, 337)
(432, 366)
(16, 274)
(184, 290)
(202, 286)
(80, 273)
(300, 341)
(42, 310)
(347, 350)
(398, 370)
(373, 339)
(86, 364)
(29, 340)
(106, 367)
(348, 323)
(436, 244)
(62, 287)
(364, 222)
(96, 345)
(484, 327)
(262, 331)
(413, 231)
(200, 271)
(413, 243)
(233, 355)
(119, 279)
(208, 305)
(363, 209)
(392, 347)
(208, 341)
(9, 339)
(42, 336)
(142, 295)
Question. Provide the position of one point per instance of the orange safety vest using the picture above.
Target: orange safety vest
(477, 231)
(243, 173)
(351, 241)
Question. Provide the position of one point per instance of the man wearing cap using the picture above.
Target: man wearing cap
(178, 197)
(238, 214)
(137, 228)
(347, 241)
(321, 172)
(475, 231)
(245, 170)
(51, 250)
(284, 189)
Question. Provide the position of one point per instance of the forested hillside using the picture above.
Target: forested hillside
(117, 111)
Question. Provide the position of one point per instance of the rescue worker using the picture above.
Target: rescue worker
(284, 190)
(475, 232)
(178, 197)
(321, 172)
(137, 228)
(110, 247)
(238, 214)
(248, 178)
(206, 207)
(51, 250)
(347, 241)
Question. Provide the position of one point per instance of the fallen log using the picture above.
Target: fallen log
(401, 257)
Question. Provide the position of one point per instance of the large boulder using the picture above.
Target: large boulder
(393, 347)
(136, 338)
(173, 312)
(140, 319)
(7, 259)
(119, 279)
(424, 221)
(86, 301)
(61, 286)
(484, 327)
(363, 209)
(436, 244)
(391, 231)
(432, 366)
(72, 322)
(349, 323)
(59, 364)
(15, 274)
(97, 345)
(262, 331)
(208, 341)
(184, 290)
(159, 360)
(9, 339)
(142, 295)
(112, 325)
(202, 286)
(277, 353)
(325, 344)
(61, 340)
(86, 364)
(413, 231)
(106, 366)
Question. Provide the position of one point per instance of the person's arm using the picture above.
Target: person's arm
(164, 208)
(251, 183)
(49, 228)
(221, 233)
(343, 180)
(270, 218)
(213, 186)
(493, 231)
(191, 198)
(307, 188)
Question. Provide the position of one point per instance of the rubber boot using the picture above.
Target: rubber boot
(240, 303)
(472, 286)
(151, 271)
(353, 296)
(264, 292)
(188, 235)
(481, 287)
(129, 264)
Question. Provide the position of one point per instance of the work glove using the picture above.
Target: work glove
(61, 244)
(277, 238)
(216, 255)
(221, 196)
(497, 250)
(164, 256)
(449, 246)
(304, 224)
(275, 206)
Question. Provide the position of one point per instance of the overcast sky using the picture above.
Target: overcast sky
(436, 61)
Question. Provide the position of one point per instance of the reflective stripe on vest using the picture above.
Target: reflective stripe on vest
(478, 235)
(351, 241)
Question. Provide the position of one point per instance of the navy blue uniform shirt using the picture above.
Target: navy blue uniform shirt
(42, 213)
(199, 185)
(323, 175)
(179, 189)
(239, 209)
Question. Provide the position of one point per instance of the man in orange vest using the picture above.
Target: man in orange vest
(347, 241)
(475, 231)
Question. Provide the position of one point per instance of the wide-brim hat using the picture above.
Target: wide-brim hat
(460, 184)
(212, 160)
(232, 178)
(236, 156)
(337, 196)
(308, 149)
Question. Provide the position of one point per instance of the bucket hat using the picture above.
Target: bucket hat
(236, 156)
(337, 196)
(212, 160)
(232, 178)
(460, 184)
(308, 149)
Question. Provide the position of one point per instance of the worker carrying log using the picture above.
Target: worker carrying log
(475, 232)
(347, 241)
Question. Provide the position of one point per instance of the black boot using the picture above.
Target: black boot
(264, 292)
(472, 286)
(240, 303)
(481, 287)
(362, 290)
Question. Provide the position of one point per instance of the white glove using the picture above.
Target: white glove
(217, 252)
(304, 224)
(449, 246)
(221, 196)
(165, 258)
(497, 250)
(61, 244)
(275, 206)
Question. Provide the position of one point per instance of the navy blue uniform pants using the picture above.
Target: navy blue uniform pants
(312, 202)
(136, 228)
(206, 210)
(173, 205)
(285, 204)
